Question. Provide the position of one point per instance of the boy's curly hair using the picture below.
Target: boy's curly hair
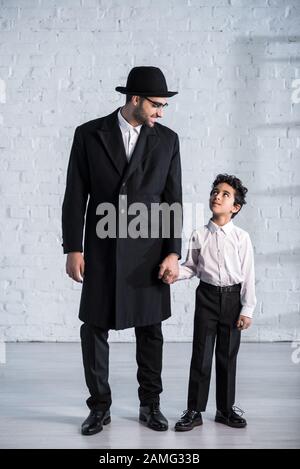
(240, 191)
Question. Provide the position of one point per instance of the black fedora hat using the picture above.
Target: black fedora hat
(146, 81)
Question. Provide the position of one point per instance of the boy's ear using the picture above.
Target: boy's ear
(236, 208)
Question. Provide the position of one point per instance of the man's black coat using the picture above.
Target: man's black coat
(120, 287)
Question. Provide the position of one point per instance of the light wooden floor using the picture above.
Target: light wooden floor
(43, 399)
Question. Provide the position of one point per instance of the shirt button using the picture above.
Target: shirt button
(123, 197)
(122, 210)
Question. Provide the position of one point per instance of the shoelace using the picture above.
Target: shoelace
(185, 412)
(236, 410)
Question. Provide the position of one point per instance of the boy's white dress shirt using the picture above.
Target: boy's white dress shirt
(222, 256)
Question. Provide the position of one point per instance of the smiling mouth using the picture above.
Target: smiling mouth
(215, 203)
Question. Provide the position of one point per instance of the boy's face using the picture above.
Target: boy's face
(221, 201)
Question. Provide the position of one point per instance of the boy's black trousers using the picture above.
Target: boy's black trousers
(216, 313)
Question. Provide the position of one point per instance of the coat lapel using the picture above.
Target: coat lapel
(111, 136)
(147, 141)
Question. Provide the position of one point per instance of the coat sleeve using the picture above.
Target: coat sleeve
(75, 198)
(173, 195)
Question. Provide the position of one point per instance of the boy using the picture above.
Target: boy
(221, 256)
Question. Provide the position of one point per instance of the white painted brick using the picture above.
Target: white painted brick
(289, 238)
(269, 212)
(19, 212)
(13, 319)
(61, 62)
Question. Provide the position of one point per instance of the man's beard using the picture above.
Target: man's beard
(140, 116)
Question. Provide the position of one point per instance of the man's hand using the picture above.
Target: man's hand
(169, 269)
(243, 322)
(75, 266)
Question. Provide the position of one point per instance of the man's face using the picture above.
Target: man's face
(147, 112)
(221, 200)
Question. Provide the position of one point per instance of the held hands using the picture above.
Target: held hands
(169, 269)
(243, 322)
(75, 266)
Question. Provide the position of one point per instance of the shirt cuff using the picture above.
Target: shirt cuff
(247, 311)
(185, 273)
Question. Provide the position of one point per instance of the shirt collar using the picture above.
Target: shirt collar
(213, 227)
(125, 126)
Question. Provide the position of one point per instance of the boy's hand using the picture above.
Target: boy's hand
(168, 277)
(243, 322)
(169, 269)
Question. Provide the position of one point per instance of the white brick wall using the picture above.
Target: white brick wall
(233, 62)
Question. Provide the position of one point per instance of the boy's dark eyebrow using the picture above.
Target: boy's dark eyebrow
(225, 192)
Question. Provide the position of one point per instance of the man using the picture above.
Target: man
(125, 156)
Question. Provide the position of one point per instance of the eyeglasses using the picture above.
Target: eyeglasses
(157, 105)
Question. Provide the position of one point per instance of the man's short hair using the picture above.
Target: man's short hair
(129, 96)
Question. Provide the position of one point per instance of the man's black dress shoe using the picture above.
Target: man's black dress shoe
(231, 418)
(188, 420)
(152, 416)
(95, 421)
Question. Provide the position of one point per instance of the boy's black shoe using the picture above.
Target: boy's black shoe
(153, 417)
(95, 421)
(231, 418)
(188, 420)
